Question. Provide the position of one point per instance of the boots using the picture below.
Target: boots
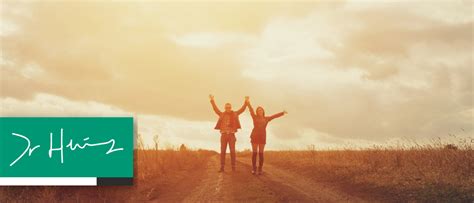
(260, 163)
(254, 163)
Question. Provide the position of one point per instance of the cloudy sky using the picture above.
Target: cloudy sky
(350, 73)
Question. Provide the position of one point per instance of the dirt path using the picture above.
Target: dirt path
(203, 184)
(274, 185)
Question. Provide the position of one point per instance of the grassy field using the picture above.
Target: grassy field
(422, 174)
(155, 172)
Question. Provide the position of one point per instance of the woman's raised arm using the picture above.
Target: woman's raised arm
(277, 115)
(252, 112)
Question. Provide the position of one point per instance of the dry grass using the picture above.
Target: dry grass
(153, 164)
(155, 171)
(428, 173)
(421, 173)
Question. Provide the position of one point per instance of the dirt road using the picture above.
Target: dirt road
(274, 185)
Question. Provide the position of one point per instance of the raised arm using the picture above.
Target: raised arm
(214, 106)
(276, 115)
(252, 112)
(242, 109)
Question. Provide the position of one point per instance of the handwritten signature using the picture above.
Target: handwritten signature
(72, 146)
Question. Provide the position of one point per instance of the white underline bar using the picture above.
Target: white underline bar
(48, 181)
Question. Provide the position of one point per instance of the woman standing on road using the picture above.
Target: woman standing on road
(259, 135)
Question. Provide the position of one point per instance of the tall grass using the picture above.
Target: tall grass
(154, 170)
(431, 172)
(439, 171)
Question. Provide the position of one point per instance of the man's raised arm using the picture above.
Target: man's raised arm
(214, 106)
(242, 109)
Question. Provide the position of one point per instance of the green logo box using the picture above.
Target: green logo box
(66, 147)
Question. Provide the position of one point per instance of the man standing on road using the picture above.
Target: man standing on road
(228, 124)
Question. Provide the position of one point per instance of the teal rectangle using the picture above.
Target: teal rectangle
(87, 147)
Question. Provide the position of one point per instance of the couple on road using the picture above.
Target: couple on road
(229, 123)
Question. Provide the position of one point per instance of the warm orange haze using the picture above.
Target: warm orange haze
(363, 100)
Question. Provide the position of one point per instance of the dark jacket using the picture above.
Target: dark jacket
(234, 116)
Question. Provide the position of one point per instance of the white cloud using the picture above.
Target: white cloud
(443, 10)
(7, 28)
(32, 71)
(366, 85)
(294, 50)
(449, 11)
(51, 105)
(210, 39)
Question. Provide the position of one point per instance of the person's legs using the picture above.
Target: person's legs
(254, 157)
(232, 141)
(224, 142)
(261, 148)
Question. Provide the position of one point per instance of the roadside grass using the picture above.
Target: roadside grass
(436, 172)
(423, 173)
(155, 170)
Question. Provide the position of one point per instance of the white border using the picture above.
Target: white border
(48, 181)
